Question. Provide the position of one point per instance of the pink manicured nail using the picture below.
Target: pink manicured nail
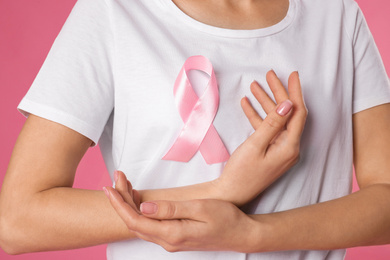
(284, 107)
(106, 192)
(149, 208)
(116, 176)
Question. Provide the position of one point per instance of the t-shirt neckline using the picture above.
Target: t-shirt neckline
(235, 33)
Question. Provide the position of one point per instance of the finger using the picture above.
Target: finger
(130, 189)
(120, 181)
(125, 189)
(272, 125)
(145, 228)
(136, 198)
(265, 101)
(276, 86)
(121, 185)
(165, 210)
(133, 220)
(252, 115)
(295, 89)
(297, 122)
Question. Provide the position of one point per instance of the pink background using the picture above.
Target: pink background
(27, 30)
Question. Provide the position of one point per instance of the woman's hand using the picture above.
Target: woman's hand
(188, 225)
(258, 162)
(124, 188)
(274, 146)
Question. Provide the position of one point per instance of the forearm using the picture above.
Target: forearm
(267, 154)
(362, 218)
(215, 189)
(39, 210)
(61, 218)
(206, 190)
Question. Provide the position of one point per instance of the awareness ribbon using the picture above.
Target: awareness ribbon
(197, 113)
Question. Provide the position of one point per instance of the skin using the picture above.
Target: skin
(259, 161)
(37, 186)
(272, 149)
(359, 219)
(233, 14)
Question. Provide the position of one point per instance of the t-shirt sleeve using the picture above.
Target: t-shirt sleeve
(75, 86)
(371, 83)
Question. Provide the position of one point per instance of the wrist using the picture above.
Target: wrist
(206, 190)
(223, 190)
(259, 234)
(219, 191)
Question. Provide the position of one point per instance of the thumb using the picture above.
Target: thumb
(273, 124)
(167, 209)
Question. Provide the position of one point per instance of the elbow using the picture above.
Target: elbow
(10, 235)
(4, 241)
(7, 242)
(9, 249)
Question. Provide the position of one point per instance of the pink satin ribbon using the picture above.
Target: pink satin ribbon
(197, 113)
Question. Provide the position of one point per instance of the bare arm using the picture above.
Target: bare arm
(263, 157)
(362, 218)
(39, 209)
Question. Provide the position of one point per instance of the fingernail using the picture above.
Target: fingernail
(284, 107)
(148, 208)
(106, 192)
(116, 176)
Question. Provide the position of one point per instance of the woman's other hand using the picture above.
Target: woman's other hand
(204, 225)
(274, 146)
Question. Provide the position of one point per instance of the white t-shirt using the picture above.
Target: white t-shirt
(110, 76)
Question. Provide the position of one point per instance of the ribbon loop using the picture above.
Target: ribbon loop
(197, 113)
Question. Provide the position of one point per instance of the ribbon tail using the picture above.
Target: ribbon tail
(212, 147)
(181, 150)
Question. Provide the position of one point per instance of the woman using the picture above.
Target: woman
(154, 42)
